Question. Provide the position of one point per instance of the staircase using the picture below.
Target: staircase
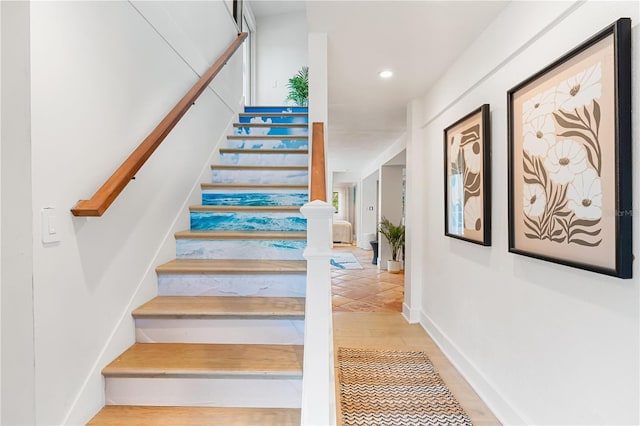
(222, 342)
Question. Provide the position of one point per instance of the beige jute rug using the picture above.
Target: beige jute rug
(383, 387)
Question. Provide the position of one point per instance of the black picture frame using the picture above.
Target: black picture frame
(569, 158)
(467, 178)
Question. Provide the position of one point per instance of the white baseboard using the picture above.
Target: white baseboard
(498, 404)
(411, 315)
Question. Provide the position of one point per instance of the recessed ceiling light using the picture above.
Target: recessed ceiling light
(385, 74)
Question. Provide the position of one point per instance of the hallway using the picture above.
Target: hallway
(367, 306)
(367, 289)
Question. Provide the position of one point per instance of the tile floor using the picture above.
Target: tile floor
(367, 289)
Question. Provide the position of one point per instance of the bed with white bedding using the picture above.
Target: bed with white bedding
(342, 231)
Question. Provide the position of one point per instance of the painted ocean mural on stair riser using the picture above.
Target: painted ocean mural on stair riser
(268, 144)
(265, 130)
(241, 249)
(240, 176)
(264, 285)
(264, 159)
(249, 221)
(274, 119)
(254, 198)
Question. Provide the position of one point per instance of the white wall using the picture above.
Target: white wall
(390, 184)
(281, 51)
(540, 342)
(103, 74)
(18, 402)
(366, 205)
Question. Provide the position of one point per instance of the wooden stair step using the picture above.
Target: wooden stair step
(114, 415)
(196, 360)
(222, 266)
(240, 235)
(260, 186)
(273, 151)
(201, 307)
(269, 137)
(239, 209)
(257, 168)
(274, 125)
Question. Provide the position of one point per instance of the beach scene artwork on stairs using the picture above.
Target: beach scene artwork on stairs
(225, 333)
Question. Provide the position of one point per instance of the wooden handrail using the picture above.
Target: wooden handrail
(108, 192)
(318, 174)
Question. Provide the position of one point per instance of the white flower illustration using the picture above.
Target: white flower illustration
(454, 148)
(472, 158)
(472, 213)
(534, 199)
(580, 89)
(539, 135)
(564, 160)
(585, 195)
(541, 104)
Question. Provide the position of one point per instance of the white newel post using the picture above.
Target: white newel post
(318, 383)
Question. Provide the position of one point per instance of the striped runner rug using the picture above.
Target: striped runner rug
(383, 387)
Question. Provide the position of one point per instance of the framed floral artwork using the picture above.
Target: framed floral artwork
(467, 169)
(570, 157)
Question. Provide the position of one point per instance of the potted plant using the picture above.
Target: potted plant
(395, 237)
(299, 87)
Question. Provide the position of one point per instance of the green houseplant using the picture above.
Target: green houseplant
(299, 87)
(395, 237)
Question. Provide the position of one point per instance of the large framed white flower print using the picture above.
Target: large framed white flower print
(467, 170)
(570, 157)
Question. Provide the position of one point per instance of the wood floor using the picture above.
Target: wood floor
(367, 289)
(373, 319)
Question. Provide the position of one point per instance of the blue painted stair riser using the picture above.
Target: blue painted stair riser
(283, 119)
(241, 249)
(252, 197)
(272, 131)
(247, 176)
(257, 159)
(248, 221)
(268, 144)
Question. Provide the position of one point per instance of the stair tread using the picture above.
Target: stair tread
(248, 266)
(272, 209)
(113, 415)
(262, 151)
(221, 306)
(208, 185)
(206, 360)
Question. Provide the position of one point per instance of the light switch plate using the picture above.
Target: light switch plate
(49, 220)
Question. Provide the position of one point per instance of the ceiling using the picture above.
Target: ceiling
(418, 40)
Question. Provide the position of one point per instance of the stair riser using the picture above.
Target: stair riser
(272, 131)
(248, 221)
(241, 249)
(264, 159)
(268, 144)
(264, 285)
(274, 119)
(252, 197)
(232, 331)
(276, 177)
(276, 108)
(205, 392)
